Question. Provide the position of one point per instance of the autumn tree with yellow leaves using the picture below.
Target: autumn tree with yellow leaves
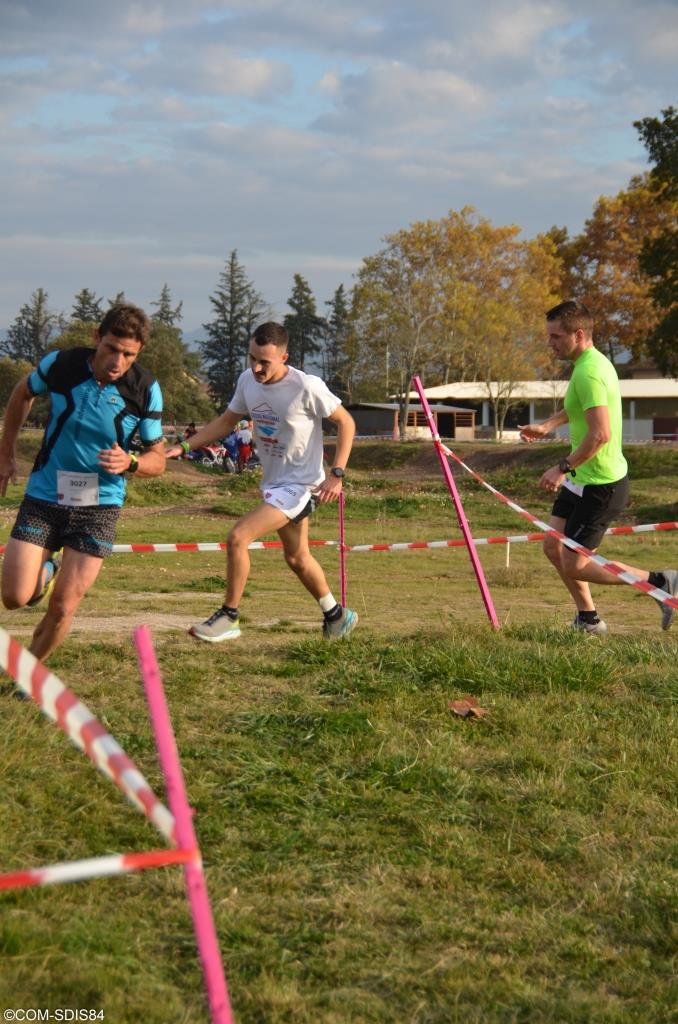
(455, 299)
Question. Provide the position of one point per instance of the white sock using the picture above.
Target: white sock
(327, 603)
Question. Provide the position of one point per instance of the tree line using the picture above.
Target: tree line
(454, 299)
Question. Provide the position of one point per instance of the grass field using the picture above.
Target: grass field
(370, 856)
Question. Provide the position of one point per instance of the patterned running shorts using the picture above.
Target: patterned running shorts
(89, 529)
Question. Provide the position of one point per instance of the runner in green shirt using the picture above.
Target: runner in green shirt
(591, 483)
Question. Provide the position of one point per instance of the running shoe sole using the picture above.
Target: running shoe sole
(232, 634)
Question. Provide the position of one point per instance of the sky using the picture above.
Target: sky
(143, 141)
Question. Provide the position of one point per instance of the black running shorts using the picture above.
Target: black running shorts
(588, 516)
(308, 509)
(89, 529)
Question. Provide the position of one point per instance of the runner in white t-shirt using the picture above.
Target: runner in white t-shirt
(286, 407)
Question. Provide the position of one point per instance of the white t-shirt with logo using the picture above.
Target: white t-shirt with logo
(287, 417)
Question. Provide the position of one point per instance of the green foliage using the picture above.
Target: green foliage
(11, 372)
(77, 334)
(169, 360)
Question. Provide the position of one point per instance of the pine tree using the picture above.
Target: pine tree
(237, 307)
(337, 331)
(28, 337)
(87, 308)
(167, 313)
(305, 328)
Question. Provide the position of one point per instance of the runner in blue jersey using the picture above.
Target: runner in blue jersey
(99, 400)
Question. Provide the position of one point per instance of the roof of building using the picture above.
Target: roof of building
(531, 390)
(393, 406)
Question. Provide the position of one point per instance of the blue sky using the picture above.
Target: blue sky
(143, 141)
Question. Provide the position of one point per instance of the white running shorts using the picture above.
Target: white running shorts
(291, 499)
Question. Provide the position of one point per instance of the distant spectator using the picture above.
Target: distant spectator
(244, 438)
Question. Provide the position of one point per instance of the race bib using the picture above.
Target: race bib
(570, 485)
(77, 488)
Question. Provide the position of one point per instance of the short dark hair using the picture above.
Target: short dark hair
(126, 321)
(271, 334)
(573, 315)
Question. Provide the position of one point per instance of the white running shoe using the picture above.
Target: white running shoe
(671, 577)
(342, 626)
(220, 626)
(598, 628)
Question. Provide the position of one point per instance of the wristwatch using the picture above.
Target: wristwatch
(565, 467)
(134, 463)
(338, 472)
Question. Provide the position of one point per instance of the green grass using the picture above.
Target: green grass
(370, 856)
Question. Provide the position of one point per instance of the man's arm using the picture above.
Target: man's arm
(330, 488)
(534, 431)
(598, 434)
(16, 414)
(219, 427)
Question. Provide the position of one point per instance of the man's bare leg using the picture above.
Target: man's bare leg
(255, 524)
(22, 574)
(294, 537)
(556, 551)
(579, 568)
(77, 574)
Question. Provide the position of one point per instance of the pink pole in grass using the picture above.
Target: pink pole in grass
(461, 516)
(203, 922)
(342, 549)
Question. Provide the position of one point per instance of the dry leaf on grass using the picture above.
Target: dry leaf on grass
(467, 707)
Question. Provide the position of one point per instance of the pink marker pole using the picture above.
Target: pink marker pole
(203, 922)
(461, 516)
(342, 549)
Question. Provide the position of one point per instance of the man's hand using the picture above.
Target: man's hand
(114, 460)
(8, 472)
(532, 431)
(329, 489)
(552, 480)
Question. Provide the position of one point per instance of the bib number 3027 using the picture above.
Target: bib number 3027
(77, 488)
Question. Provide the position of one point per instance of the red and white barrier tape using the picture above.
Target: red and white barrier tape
(77, 721)
(96, 867)
(257, 545)
(611, 567)
(518, 538)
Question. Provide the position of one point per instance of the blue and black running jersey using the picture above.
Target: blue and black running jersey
(86, 417)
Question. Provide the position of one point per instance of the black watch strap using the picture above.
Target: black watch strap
(565, 467)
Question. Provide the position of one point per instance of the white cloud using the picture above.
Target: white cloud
(147, 138)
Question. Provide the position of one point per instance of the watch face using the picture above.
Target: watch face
(336, 471)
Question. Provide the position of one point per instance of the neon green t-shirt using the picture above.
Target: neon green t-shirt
(594, 382)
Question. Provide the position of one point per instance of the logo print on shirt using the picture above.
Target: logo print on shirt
(266, 419)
